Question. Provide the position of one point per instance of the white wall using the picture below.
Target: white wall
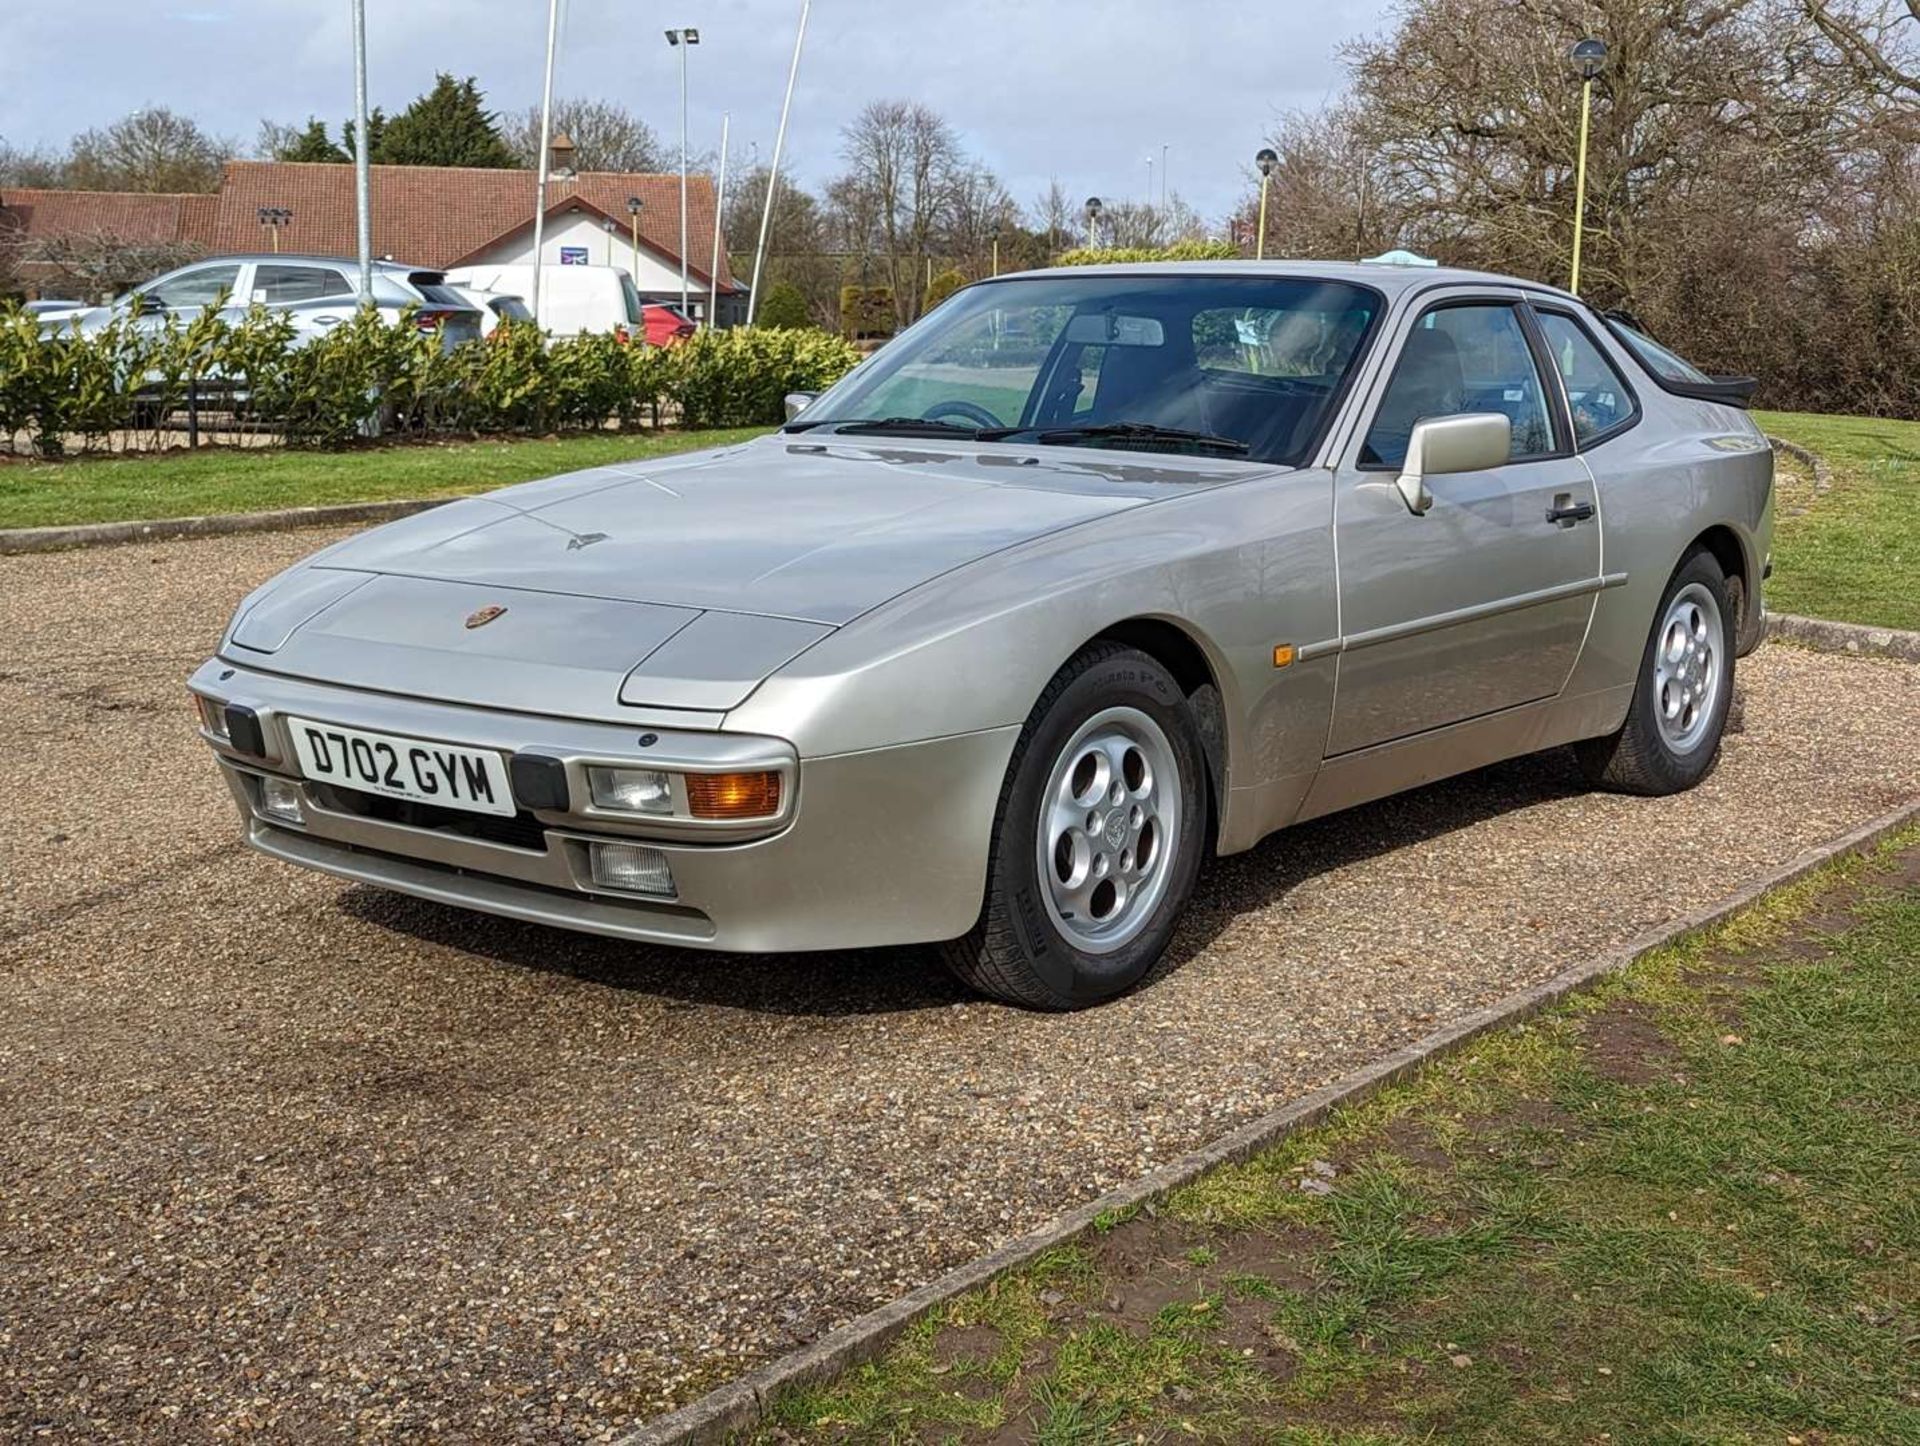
(652, 277)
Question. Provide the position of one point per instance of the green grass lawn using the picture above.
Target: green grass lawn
(1681, 1208)
(1854, 553)
(182, 484)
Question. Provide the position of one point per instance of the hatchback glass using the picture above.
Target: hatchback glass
(1218, 366)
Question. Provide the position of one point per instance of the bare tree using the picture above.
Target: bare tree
(606, 136)
(95, 266)
(1878, 39)
(1056, 216)
(1325, 198)
(150, 150)
(33, 170)
(902, 163)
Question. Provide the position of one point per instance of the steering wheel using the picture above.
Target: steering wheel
(974, 413)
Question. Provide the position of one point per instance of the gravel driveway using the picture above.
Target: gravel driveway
(283, 1155)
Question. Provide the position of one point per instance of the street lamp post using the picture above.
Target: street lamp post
(1093, 222)
(1589, 58)
(610, 226)
(1266, 160)
(634, 206)
(273, 218)
(683, 40)
(362, 162)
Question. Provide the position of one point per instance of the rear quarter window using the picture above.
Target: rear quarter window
(1664, 363)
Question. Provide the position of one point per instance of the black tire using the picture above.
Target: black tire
(1018, 952)
(1640, 758)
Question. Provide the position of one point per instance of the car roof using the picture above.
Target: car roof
(1387, 277)
(302, 258)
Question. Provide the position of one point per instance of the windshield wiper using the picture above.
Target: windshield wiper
(902, 426)
(1121, 431)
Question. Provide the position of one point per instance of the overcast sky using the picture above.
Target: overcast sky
(1079, 89)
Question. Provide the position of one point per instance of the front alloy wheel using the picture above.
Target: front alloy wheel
(1110, 829)
(1097, 838)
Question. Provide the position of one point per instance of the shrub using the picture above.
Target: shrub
(329, 390)
(866, 311)
(784, 308)
(741, 378)
(941, 287)
(1179, 251)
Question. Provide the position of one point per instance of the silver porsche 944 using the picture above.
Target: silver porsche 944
(1086, 576)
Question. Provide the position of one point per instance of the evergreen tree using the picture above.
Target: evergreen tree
(448, 126)
(308, 143)
(376, 131)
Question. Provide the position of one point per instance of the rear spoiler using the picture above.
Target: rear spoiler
(1732, 391)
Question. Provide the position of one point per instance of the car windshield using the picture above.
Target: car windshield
(1205, 365)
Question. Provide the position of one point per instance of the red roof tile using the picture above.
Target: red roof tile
(435, 216)
(134, 217)
(442, 215)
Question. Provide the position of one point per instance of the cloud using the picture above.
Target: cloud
(1082, 90)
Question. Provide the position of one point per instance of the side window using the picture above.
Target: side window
(1599, 398)
(200, 287)
(277, 285)
(1472, 358)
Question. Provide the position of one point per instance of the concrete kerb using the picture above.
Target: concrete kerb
(14, 541)
(1854, 638)
(1806, 457)
(742, 1403)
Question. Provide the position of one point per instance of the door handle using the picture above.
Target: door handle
(1564, 511)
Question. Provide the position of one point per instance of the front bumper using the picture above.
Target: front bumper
(886, 846)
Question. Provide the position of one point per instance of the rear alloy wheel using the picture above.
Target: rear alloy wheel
(1671, 738)
(1097, 839)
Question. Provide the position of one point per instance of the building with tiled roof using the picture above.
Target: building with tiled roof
(431, 216)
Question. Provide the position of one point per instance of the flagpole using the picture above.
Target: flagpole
(719, 205)
(546, 136)
(773, 176)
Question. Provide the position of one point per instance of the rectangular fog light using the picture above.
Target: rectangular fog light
(630, 790)
(280, 801)
(631, 868)
(213, 715)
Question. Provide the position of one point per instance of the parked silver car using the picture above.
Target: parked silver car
(1086, 576)
(317, 292)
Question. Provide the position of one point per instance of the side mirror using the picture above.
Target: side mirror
(1465, 442)
(798, 402)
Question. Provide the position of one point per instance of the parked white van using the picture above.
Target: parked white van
(572, 298)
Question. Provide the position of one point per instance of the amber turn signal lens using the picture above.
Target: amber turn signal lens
(1283, 655)
(733, 795)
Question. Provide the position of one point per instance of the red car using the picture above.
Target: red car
(665, 325)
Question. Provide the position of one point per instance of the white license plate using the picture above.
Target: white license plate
(394, 767)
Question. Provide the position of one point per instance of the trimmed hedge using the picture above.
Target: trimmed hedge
(63, 387)
(1179, 251)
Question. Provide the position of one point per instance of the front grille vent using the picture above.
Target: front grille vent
(522, 831)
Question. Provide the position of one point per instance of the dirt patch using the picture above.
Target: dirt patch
(1536, 1116)
(968, 1345)
(1623, 1044)
(1414, 1143)
(1247, 1331)
(1146, 1265)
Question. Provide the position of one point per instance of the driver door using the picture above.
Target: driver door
(1482, 602)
